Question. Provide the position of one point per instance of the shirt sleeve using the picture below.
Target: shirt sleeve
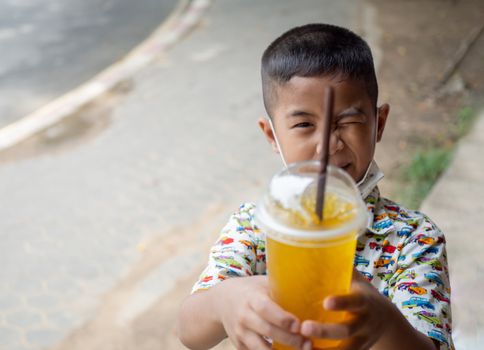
(236, 252)
(421, 288)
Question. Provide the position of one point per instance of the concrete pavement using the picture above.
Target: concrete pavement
(50, 47)
(456, 205)
(101, 228)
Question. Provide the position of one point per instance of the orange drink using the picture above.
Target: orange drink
(309, 259)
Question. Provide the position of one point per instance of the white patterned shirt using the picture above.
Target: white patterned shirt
(402, 253)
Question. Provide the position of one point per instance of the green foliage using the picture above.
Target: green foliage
(428, 165)
(421, 174)
(465, 119)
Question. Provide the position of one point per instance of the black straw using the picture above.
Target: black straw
(324, 153)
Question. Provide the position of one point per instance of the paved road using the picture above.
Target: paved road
(51, 46)
(455, 203)
(96, 233)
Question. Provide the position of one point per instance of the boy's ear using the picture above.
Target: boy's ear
(382, 116)
(265, 126)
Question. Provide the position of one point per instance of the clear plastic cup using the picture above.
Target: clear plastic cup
(309, 259)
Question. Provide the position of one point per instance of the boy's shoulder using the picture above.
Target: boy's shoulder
(243, 217)
(242, 224)
(246, 210)
(390, 217)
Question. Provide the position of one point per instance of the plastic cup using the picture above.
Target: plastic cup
(308, 260)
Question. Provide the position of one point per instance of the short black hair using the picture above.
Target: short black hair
(317, 50)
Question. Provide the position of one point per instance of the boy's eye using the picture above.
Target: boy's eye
(350, 121)
(303, 125)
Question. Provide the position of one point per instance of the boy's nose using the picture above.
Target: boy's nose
(335, 145)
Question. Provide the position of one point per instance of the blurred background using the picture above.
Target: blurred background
(128, 135)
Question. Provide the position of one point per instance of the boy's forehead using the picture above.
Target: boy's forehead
(320, 83)
(312, 89)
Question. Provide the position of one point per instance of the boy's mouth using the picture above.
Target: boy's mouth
(346, 167)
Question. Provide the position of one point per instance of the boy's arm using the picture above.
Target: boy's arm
(241, 309)
(198, 324)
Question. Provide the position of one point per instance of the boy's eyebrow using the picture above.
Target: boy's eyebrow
(352, 111)
(300, 113)
(349, 112)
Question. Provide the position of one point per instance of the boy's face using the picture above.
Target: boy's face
(298, 118)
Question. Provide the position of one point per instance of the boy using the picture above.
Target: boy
(400, 289)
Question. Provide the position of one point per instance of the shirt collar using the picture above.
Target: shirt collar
(379, 222)
(371, 178)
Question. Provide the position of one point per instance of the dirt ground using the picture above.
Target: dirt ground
(419, 40)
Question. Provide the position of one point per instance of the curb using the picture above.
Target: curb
(185, 17)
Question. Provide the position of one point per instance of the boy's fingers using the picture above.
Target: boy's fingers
(254, 341)
(332, 330)
(283, 336)
(274, 314)
(352, 303)
(357, 276)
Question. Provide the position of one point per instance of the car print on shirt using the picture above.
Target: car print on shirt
(367, 275)
(360, 246)
(247, 243)
(384, 261)
(359, 260)
(206, 279)
(431, 250)
(439, 296)
(385, 276)
(225, 240)
(401, 268)
(405, 231)
(411, 275)
(434, 263)
(422, 239)
(436, 334)
(381, 225)
(392, 208)
(434, 277)
(428, 250)
(228, 261)
(374, 245)
(418, 302)
(412, 287)
(387, 247)
(429, 317)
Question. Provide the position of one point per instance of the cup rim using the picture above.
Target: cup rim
(277, 230)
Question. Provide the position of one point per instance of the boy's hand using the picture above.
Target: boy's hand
(248, 314)
(369, 316)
